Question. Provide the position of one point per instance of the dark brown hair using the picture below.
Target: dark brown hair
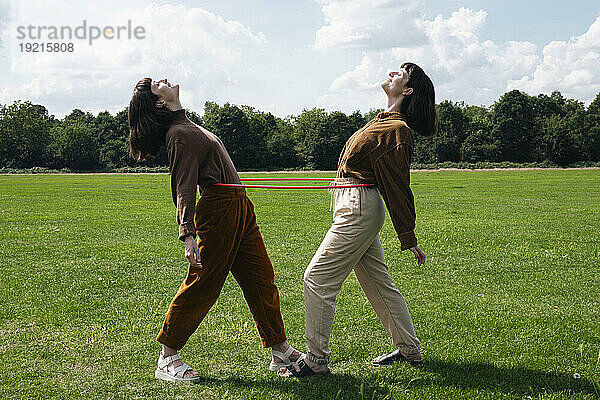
(147, 123)
(419, 107)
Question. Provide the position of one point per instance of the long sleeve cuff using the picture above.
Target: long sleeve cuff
(185, 230)
(407, 240)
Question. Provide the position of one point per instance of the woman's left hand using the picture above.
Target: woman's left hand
(419, 255)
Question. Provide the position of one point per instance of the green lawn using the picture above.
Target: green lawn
(506, 306)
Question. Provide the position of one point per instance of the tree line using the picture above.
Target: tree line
(517, 128)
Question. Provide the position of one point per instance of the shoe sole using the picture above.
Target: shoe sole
(168, 377)
(417, 364)
(414, 364)
(277, 367)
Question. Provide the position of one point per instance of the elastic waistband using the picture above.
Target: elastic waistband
(362, 190)
(347, 181)
(214, 189)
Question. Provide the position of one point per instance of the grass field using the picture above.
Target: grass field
(506, 307)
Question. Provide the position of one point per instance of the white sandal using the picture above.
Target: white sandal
(175, 375)
(285, 358)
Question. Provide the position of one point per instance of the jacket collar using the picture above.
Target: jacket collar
(391, 115)
(178, 117)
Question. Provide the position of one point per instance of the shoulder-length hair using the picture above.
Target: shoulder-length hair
(148, 124)
(419, 107)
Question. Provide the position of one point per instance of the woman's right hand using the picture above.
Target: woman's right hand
(192, 252)
(419, 255)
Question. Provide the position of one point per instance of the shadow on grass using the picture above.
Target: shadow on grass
(435, 375)
(335, 386)
(523, 381)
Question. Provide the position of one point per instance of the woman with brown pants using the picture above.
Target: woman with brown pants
(229, 239)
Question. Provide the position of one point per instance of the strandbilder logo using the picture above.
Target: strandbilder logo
(60, 39)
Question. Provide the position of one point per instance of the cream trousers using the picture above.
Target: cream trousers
(352, 242)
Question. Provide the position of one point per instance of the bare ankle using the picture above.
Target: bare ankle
(168, 351)
(283, 346)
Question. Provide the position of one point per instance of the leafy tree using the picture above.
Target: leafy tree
(452, 130)
(590, 138)
(424, 151)
(558, 142)
(516, 128)
(545, 106)
(24, 135)
(261, 127)
(559, 132)
(120, 157)
(315, 145)
(356, 121)
(230, 123)
(513, 126)
(113, 145)
(479, 144)
(114, 154)
(321, 136)
(281, 146)
(478, 118)
(341, 126)
(544, 109)
(81, 116)
(194, 117)
(75, 145)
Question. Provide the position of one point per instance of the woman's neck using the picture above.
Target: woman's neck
(394, 103)
(174, 106)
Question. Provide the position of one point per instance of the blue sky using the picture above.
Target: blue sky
(285, 56)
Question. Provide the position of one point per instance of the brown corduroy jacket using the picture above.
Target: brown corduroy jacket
(380, 153)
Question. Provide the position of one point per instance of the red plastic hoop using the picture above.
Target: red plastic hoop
(290, 187)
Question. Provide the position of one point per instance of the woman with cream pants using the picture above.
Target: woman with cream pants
(353, 242)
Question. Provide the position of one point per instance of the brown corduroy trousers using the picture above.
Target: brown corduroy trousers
(229, 240)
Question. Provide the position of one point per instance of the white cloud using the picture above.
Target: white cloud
(356, 88)
(571, 66)
(4, 17)
(370, 23)
(461, 66)
(363, 77)
(454, 40)
(192, 46)
(220, 59)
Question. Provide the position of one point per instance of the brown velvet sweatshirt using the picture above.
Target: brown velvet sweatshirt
(380, 153)
(196, 158)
